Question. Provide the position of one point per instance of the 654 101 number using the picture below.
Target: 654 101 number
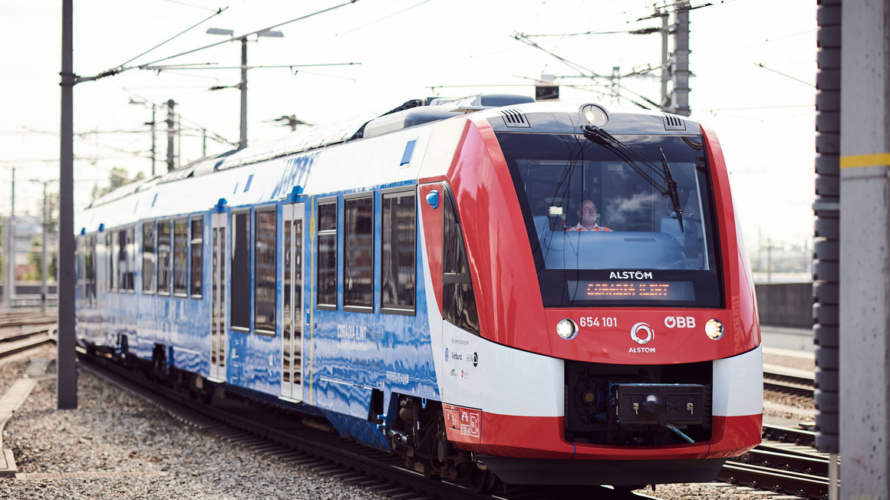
(597, 321)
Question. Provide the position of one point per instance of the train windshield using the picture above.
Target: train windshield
(623, 221)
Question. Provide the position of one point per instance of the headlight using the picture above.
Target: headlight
(595, 115)
(566, 329)
(714, 329)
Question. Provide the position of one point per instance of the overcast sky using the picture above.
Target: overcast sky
(754, 65)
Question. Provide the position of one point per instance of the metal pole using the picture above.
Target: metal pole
(243, 86)
(153, 147)
(43, 256)
(826, 233)
(680, 93)
(864, 358)
(66, 365)
(203, 142)
(170, 128)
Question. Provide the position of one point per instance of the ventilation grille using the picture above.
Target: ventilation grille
(515, 118)
(673, 122)
(639, 240)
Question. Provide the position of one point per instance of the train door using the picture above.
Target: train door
(292, 281)
(218, 296)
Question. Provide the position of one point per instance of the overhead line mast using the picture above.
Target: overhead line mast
(674, 65)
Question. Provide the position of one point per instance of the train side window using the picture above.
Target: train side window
(149, 268)
(197, 257)
(398, 254)
(91, 269)
(240, 272)
(180, 256)
(164, 257)
(78, 268)
(122, 260)
(131, 259)
(358, 254)
(109, 258)
(327, 255)
(264, 265)
(458, 300)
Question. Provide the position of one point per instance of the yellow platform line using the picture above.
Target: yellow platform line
(875, 160)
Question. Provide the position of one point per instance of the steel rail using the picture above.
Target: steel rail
(785, 462)
(788, 382)
(25, 341)
(789, 435)
(765, 478)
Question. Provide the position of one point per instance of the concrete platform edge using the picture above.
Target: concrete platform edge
(8, 468)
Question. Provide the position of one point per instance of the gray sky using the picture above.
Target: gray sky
(764, 116)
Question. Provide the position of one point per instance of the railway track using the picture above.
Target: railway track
(17, 319)
(783, 380)
(784, 462)
(280, 434)
(15, 342)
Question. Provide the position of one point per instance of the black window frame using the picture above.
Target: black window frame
(397, 308)
(240, 286)
(196, 259)
(326, 233)
(553, 283)
(91, 270)
(150, 271)
(120, 267)
(352, 300)
(109, 261)
(130, 253)
(183, 290)
(167, 269)
(267, 328)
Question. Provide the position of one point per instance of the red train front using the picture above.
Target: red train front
(594, 316)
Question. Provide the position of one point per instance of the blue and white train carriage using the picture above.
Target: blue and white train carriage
(411, 280)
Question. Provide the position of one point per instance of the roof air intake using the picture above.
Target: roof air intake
(674, 122)
(515, 118)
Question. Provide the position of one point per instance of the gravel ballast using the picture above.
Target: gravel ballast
(115, 445)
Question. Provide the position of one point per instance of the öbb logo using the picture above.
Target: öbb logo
(679, 322)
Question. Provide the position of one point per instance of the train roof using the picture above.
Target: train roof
(411, 113)
(506, 112)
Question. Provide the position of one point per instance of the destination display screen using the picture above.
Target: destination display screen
(632, 290)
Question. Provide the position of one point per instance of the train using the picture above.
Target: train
(492, 288)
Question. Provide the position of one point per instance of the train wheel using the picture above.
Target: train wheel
(482, 480)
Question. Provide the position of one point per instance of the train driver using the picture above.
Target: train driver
(587, 213)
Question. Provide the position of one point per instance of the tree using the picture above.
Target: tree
(116, 178)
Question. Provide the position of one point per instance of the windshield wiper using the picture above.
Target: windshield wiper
(664, 182)
(672, 188)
